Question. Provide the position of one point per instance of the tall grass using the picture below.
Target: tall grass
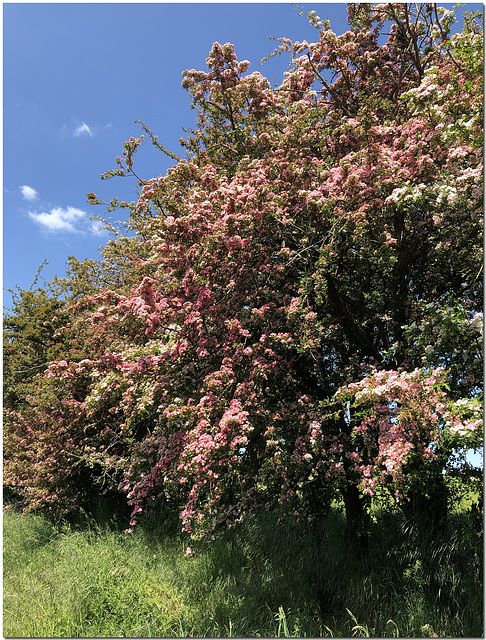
(261, 579)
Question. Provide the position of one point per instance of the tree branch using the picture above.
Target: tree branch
(329, 89)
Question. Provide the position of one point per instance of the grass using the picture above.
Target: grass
(261, 579)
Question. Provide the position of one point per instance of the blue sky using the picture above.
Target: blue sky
(75, 78)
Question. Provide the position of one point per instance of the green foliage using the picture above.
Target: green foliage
(30, 341)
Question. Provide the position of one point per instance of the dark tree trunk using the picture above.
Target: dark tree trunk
(357, 518)
(355, 503)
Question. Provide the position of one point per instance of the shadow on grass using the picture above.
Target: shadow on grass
(417, 582)
(261, 578)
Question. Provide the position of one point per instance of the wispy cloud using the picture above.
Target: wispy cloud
(68, 220)
(59, 220)
(96, 226)
(28, 192)
(83, 130)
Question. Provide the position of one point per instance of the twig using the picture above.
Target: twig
(329, 88)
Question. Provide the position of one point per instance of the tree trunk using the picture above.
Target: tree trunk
(357, 518)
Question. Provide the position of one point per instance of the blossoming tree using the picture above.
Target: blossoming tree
(297, 314)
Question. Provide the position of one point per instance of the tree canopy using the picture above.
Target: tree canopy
(296, 312)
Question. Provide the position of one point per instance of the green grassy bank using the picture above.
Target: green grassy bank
(261, 579)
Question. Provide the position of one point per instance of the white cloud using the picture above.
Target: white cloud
(59, 219)
(28, 192)
(83, 130)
